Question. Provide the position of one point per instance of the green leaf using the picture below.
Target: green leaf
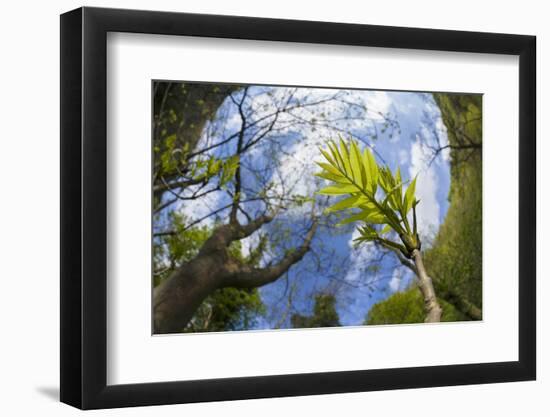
(328, 157)
(382, 180)
(388, 200)
(357, 165)
(338, 189)
(367, 206)
(213, 167)
(228, 169)
(372, 170)
(398, 175)
(373, 214)
(398, 194)
(368, 230)
(354, 218)
(329, 168)
(409, 196)
(345, 158)
(376, 218)
(336, 154)
(393, 197)
(344, 204)
(386, 229)
(387, 182)
(332, 177)
(368, 233)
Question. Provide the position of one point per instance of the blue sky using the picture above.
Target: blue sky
(398, 126)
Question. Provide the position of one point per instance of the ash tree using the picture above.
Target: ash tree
(383, 206)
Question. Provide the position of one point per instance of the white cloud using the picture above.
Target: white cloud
(377, 101)
(361, 256)
(358, 257)
(396, 279)
(297, 167)
(249, 243)
(199, 208)
(403, 156)
(427, 211)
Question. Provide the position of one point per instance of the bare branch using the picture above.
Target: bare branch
(237, 194)
(165, 186)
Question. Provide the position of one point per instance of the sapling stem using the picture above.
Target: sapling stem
(425, 284)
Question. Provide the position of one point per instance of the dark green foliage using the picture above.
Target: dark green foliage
(172, 250)
(455, 261)
(228, 309)
(324, 314)
(408, 307)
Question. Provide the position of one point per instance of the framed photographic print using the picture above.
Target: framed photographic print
(258, 207)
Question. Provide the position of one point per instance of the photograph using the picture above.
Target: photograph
(299, 207)
(268, 209)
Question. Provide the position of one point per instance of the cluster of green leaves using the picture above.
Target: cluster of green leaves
(172, 156)
(324, 314)
(181, 112)
(374, 195)
(407, 307)
(172, 250)
(203, 168)
(228, 309)
(225, 308)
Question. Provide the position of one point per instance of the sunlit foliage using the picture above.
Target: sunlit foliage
(407, 307)
(357, 176)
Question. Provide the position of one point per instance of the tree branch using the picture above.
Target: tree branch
(248, 277)
(165, 186)
(237, 195)
(244, 231)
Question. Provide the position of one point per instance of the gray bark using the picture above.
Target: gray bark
(425, 284)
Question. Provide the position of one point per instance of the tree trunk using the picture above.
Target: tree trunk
(176, 299)
(431, 305)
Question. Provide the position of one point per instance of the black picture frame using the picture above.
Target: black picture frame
(84, 207)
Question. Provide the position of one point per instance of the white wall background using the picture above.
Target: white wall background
(29, 213)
